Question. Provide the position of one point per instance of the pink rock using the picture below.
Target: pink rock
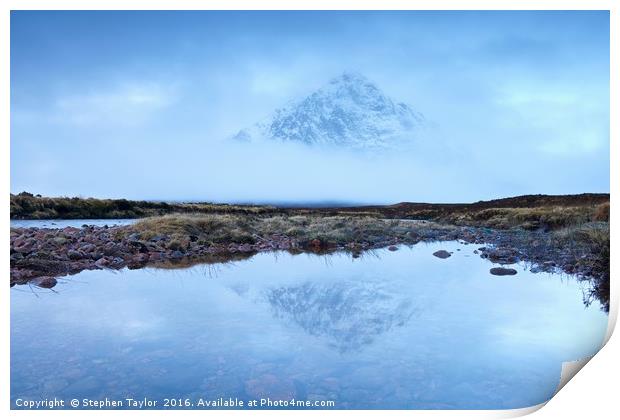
(45, 282)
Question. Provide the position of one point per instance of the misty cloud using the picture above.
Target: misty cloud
(520, 101)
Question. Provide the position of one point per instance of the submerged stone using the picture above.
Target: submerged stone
(501, 255)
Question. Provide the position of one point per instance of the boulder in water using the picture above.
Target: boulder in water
(501, 271)
(443, 254)
(45, 282)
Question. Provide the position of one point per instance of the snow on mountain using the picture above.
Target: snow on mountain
(350, 111)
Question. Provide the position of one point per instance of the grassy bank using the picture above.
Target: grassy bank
(547, 212)
(28, 206)
(528, 212)
(590, 245)
(306, 230)
(531, 218)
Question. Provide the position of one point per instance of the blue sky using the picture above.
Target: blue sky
(136, 104)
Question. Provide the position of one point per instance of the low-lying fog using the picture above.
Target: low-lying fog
(275, 173)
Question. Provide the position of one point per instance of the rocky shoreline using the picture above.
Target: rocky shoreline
(40, 255)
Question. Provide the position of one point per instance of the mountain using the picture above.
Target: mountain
(350, 111)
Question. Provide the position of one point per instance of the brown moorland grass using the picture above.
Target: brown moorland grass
(529, 211)
(223, 229)
(590, 245)
(548, 218)
(601, 213)
(28, 206)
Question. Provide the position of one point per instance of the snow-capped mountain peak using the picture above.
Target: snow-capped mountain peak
(349, 111)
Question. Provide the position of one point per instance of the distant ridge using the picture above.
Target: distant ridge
(29, 206)
(532, 200)
(522, 201)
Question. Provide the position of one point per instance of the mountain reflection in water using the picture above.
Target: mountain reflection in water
(349, 314)
(401, 330)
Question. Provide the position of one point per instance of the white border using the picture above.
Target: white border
(592, 395)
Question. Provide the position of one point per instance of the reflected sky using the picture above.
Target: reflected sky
(62, 223)
(390, 330)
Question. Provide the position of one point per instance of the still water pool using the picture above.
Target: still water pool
(63, 223)
(399, 329)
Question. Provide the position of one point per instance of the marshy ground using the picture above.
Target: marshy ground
(552, 233)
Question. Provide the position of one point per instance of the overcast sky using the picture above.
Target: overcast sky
(136, 104)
